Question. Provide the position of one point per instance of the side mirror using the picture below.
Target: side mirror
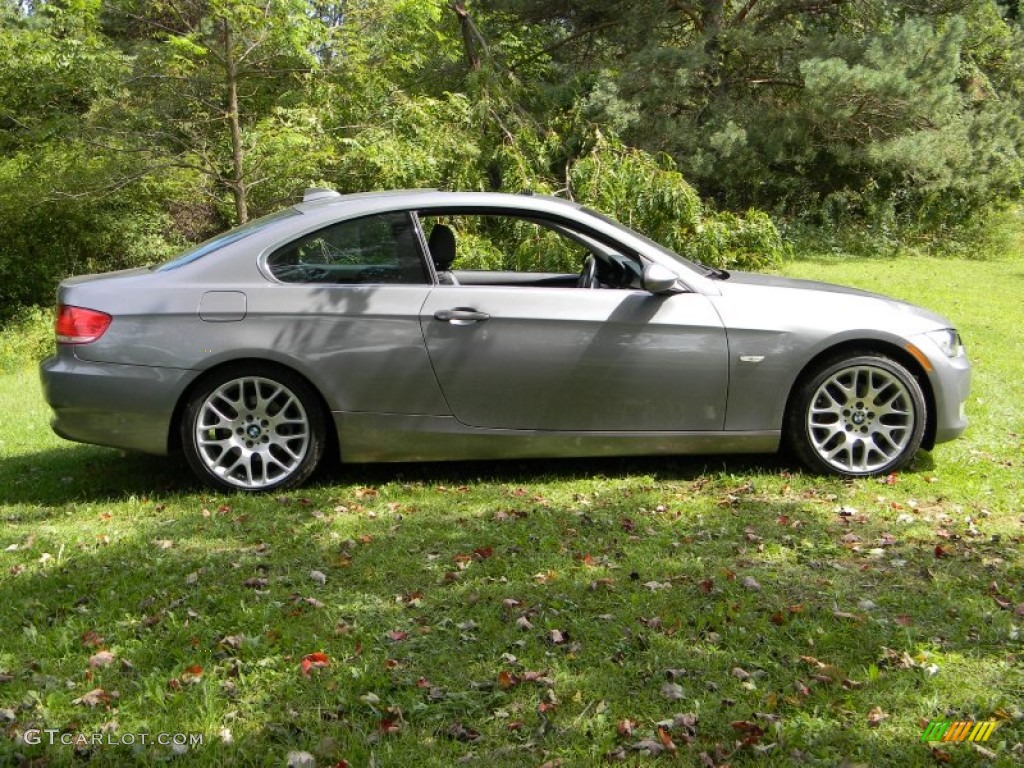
(660, 280)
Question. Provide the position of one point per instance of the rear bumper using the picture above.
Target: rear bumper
(121, 406)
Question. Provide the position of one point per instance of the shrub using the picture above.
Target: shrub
(26, 338)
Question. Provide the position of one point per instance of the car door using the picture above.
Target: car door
(552, 358)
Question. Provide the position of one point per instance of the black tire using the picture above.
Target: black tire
(855, 415)
(253, 428)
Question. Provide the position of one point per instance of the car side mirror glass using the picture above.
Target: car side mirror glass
(660, 280)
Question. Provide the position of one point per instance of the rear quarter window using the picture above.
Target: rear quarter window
(373, 249)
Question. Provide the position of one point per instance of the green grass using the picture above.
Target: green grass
(520, 613)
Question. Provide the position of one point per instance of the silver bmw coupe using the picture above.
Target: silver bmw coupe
(346, 321)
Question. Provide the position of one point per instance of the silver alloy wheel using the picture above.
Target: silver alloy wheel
(252, 432)
(861, 418)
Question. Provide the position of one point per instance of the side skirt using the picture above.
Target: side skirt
(381, 437)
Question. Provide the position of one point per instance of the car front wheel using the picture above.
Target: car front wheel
(857, 415)
(253, 429)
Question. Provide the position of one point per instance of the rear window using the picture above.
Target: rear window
(222, 240)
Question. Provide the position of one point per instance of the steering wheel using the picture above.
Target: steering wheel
(588, 277)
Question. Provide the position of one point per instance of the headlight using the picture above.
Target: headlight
(948, 340)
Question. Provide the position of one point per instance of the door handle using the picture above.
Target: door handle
(460, 316)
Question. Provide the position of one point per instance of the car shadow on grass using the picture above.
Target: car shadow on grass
(91, 474)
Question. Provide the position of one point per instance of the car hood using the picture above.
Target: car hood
(816, 287)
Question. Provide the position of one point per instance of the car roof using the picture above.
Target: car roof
(318, 200)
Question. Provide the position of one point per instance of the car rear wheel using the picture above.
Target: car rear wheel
(857, 415)
(257, 428)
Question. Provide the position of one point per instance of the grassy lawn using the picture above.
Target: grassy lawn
(696, 611)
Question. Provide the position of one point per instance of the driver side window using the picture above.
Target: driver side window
(516, 250)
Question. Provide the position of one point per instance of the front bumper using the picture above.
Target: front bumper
(121, 406)
(951, 385)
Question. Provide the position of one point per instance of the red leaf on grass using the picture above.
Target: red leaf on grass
(666, 740)
(752, 731)
(192, 674)
(311, 661)
(92, 639)
(506, 680)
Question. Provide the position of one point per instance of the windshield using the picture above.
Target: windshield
(689, 264)
(221, 240)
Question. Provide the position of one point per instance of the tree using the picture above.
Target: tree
(211, 84)
(896, 109)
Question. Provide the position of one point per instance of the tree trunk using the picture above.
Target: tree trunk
(237, 181)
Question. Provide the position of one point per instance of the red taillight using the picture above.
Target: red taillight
(76, 325)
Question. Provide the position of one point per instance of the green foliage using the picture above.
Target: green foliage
(874, 124)
(649, 194)
(26, 338)
(911, 115)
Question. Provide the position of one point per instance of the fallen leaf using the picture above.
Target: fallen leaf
(101, 659)
(876, 716)
(845, 615)
(752, 732)
(459, 732)
(666, 740)
(625, 728)
(255, 583)
(673, 691)
(318, 577)
(92, 639)
(298, 759)
(507, 680)
(751, 583)
(311, 661)
(95, 697)
(648, 746)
